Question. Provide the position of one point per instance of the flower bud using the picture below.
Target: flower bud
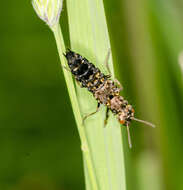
(48, 10)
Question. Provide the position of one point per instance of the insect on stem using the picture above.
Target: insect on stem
(105, 90)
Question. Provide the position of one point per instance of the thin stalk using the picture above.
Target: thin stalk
(75, 106)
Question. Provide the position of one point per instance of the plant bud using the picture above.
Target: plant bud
(48, 10)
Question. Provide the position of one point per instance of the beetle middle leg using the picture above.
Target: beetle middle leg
(119, 84)
(106, 62)
(85, 117)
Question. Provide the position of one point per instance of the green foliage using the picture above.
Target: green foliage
(40, 148)
(89, 37)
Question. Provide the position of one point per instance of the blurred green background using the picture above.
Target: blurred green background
(39, 143)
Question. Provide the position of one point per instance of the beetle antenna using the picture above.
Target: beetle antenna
(129, 137)
(142, 121)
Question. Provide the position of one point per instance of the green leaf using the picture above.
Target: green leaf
(89, 37)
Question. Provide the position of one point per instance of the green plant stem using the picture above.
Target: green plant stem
(89, 37)
(75, 106)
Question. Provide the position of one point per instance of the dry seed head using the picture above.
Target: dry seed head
(48, 10)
